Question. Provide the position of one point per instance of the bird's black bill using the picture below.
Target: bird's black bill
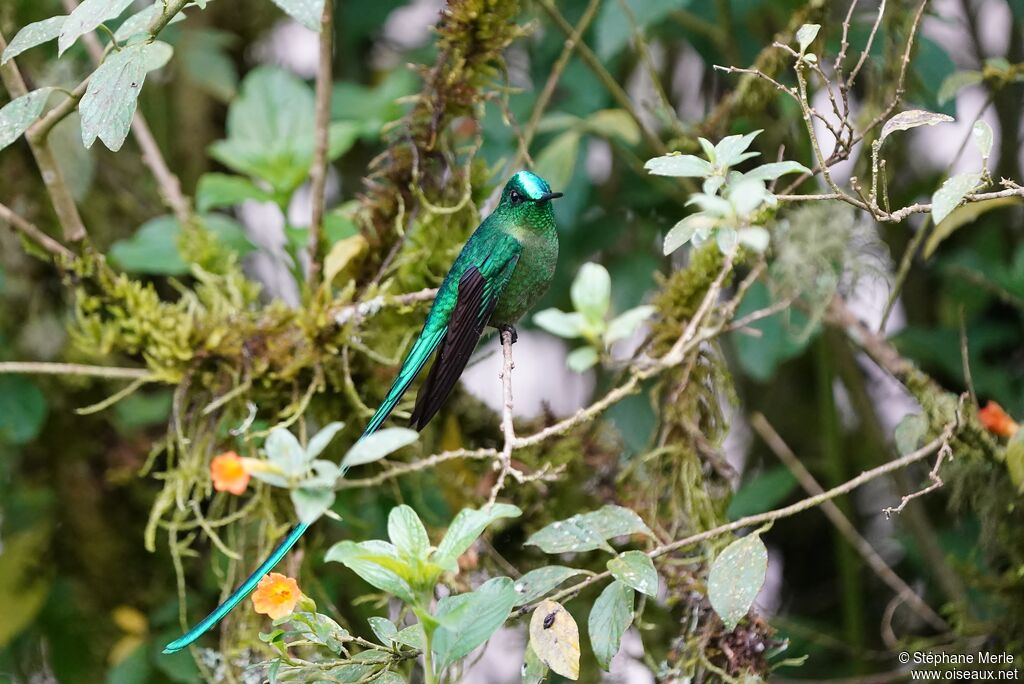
(548, 196)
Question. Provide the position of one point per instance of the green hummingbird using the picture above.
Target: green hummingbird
(503, 269)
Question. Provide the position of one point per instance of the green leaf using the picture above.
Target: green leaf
(805, 35)
(609, 619)
(772, 171)
(762, 492)
(158, 55)
(614, 123)
(285, 452)
(112, 95)
(680, 166)
(468, 620)
(311, 503)
(557, 161)
(207, 64)
(910, 432)
(956, 82)
(581, 359)
(687, 229)
(952, 193)
(636, 570)
(536, 583)
(534, 670)
(567, 325)
(140, 22)
(732, 149)
(912, 119)
(412, 637)
(962, 216)
(377, 562)
(555, 639)
(591, 292)
(736, 577)
(18, 114)
(464, 530)
(981, 133)
(32, 35)
(217, 190)
(321, 439)
(407, 533)
(86, 17)
(627, 323)
(588, 531)
(154, 247)
(384, 630)
(23, 409)
(376, 446)
(306, 12)
(614, 28)
(1014, 463)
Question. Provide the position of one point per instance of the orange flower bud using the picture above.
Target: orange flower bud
(276, 596)
(996, 420)
(229, 473)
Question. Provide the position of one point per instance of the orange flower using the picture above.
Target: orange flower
(276, 596)
(996, 420)
(229, 473)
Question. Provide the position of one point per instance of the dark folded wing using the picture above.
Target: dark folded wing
(479, 291)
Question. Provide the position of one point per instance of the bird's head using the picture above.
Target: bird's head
(527, 194)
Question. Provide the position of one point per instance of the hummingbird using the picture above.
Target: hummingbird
(503, 269)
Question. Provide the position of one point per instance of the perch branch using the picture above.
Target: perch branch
(41, 368)
(318, 173)
(31, 231)
(504, 462)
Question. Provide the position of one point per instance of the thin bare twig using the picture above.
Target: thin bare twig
(318, 172)
(504, 462)
(843, 524)
(42, 368)
(31, 231)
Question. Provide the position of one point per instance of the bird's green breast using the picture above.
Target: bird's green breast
(533, 272)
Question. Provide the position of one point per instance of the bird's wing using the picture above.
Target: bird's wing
(480, 288)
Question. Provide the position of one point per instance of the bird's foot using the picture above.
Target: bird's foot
(511, 330)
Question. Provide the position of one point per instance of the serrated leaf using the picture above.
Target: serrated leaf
(112, 96)
(321, 439)
(555, 639)
(376, 446)
(912, 119)
(591, 292)
(32, 35)
(311, 503)
(407, 533)
(736, 577)
(18, 114)
(468, 620)
(216, 190)
(464, 530)
(952, 193)
(981, 133)
(86, 17)
(383, 629)
(806, 34)
(636, 570)
(609, 619)
(679, 166)
(536, 583)
(556, 322)
(910, 432)
(306, 12)
(582, 359)
(627, 323)
(377, 562)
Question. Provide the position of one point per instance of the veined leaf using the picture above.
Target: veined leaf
(86, 17)
(464, 530)
(952, 193)
(536, 583)
(912, 119)
(636, 570)
(377, 562)
(480, 614)
(112, 95)
(609, 619)
(306, 12)
(32, 35)
(407, 533)
(736, 578)
(18, 114)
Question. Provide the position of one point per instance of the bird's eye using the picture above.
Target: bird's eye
(514, 197)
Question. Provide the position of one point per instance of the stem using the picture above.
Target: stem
(318, 173)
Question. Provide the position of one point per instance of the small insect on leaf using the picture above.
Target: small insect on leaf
(555, 638)
(549, 619)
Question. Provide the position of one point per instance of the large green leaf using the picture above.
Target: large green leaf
(468, 620)
(109, 103)
(736, 578)
(86, 17)
(377, 562)
(217, 190)
(154, 247)
(306, 12)
(636, 570)
(536, 583)
(609, 619)
(407, 533)
(32, 35)
(588, 531)
(464, 530)
(18, 114)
